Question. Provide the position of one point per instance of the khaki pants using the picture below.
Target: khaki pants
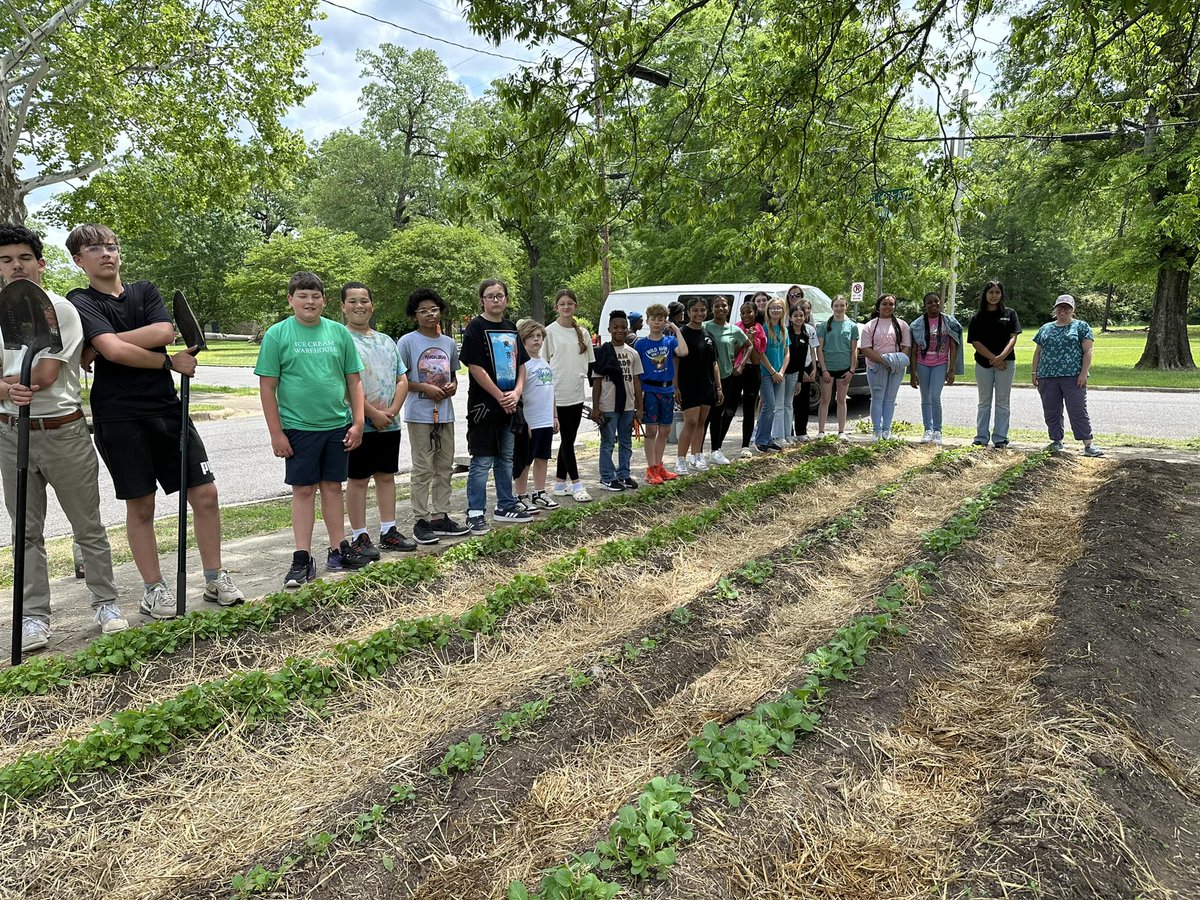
(64, 459)
(431, 470)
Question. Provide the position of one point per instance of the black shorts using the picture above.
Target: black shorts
(540, 441)
(140, 452)
(835, 374)
(316, 456)
(378, 452)
(693, 395)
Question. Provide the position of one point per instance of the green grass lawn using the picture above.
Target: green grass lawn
(1113, 358)
(229, 353)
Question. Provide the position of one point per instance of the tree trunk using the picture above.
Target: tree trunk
(12, 204)
(1167, 344)
(1107, 307)
(537, 299)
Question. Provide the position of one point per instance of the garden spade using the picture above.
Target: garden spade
(27, 320)
(192, 336)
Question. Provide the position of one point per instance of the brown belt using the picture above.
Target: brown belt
(45, 424)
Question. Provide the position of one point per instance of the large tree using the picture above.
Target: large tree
(87, 78)
(1134, 70)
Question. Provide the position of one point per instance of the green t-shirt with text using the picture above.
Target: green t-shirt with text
(311, 363)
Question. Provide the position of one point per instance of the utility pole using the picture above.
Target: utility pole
(605, 245)
(958, 144)
(879, 261)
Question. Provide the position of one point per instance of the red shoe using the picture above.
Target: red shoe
(652, 476)
(666, 474)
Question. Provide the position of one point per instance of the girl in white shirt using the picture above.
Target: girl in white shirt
(568, 350)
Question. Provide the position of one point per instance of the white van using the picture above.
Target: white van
(638, 299)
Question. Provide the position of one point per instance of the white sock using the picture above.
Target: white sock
(576, 487)
(385, 527)
(357, 532)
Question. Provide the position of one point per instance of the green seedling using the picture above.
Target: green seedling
(463, 756)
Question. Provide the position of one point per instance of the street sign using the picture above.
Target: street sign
(856, 292)
(891, 195)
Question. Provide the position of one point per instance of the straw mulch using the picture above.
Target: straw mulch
(887, 810)
(226, 800)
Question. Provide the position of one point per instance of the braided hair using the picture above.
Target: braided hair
(580, 335)
(895, 321)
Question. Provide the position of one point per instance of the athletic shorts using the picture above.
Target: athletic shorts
(139, 453)
(835, 374)
(378, 452)
(693, 395)
(316, 456)
(658, 409)
(540, 440)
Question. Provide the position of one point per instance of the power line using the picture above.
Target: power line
(422, 34)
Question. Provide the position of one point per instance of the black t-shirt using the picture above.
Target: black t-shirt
(696, 369)
(118, 391)
(797, 351)
(993, 329)
(496, 347)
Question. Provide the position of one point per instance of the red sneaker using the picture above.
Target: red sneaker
(652, 476)
(666, 474)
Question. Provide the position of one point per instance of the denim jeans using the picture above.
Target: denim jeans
(997, 382)
(477, 477)
(932, 379)
(616, 429)
(772, 396)
(885, 384)
(783, 409)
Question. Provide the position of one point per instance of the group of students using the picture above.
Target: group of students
(336, 398)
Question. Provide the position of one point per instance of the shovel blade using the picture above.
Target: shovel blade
(27, 318)
(185, 320)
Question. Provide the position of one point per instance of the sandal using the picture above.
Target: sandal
(582, 496)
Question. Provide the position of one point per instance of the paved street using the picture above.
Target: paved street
(240, 450)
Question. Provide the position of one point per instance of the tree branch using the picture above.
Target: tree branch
(29, 185)
(18, 124)
(17, 55)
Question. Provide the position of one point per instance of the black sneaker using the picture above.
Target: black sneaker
(365, 548)
(615, 486)
(444, 526)
(630, 484)
(303, 570)
(394, 540)
(423, 533)
(477, 525)
(512, 514)
(345, 557)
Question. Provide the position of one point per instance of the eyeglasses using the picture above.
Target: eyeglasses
(495, 296)
(428, 311)
(98, 249)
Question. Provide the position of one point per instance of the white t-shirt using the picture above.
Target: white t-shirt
(62, 397)
(539, 394)
(561, 350)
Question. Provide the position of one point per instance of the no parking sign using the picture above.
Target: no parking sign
(856, 292)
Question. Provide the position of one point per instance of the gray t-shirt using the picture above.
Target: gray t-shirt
(429, 361)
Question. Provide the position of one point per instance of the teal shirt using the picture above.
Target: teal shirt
(311, 363)
(1062, 348)
(836, 338)
(729, 340)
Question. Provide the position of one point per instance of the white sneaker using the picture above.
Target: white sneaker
(681, 466)
(159, 603)
(928, 436)
(223, 591)
(746, 453)
(35, 634)
(700, 464)
(719, 459)
(887, 435)
(937, 438)
(109, 618)
(802, 439)
(842, 436)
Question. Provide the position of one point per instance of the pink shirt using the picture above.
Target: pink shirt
(935, 337)
(758, 340)
(880, 336)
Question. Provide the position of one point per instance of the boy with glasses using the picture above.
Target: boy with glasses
(137, 416)
(431, 358)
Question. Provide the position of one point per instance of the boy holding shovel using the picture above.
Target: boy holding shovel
(60, 454)
(137, 416)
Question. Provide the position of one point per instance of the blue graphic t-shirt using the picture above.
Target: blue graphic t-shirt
(496, 348)
(658, 363)
(1062, 348)
(429, 361)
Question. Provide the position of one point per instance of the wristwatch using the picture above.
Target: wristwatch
(167, 362)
